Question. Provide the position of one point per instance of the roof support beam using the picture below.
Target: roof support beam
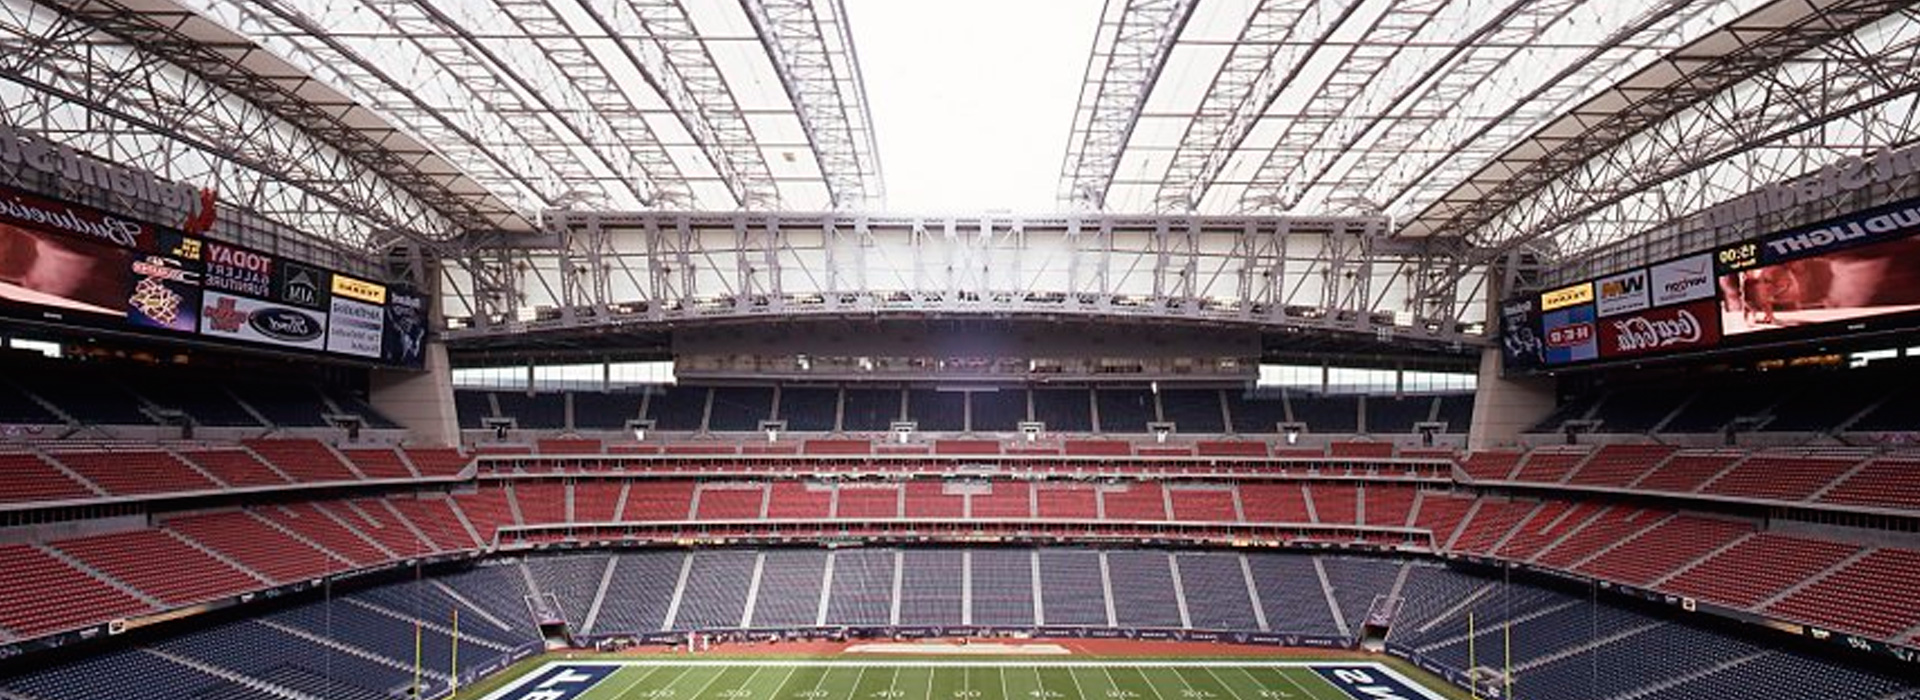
(1130, 49)
(821, 73)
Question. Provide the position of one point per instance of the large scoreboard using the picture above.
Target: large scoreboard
(68, 264)
(1850, 275)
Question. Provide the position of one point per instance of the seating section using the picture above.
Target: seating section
(740, 408)
(1687, 471)
(1882, 483)
(1203, 504)
(1759, 568)
(1616, 466)
(1664, 548)
(862, 501)
(160, 565)
(1192, 411)
(308, 522)
(258, 546)
(809, 408)
(18, 408)
(436, 462)
(1135, 501)
(937, 411)
(135, 472)
(26, 477)
(869, 410)
(728, 501)
(1548, 467)
(44, 594)
(1779, 478)
(1491, 466)
(1871, 595)
(379, 464)
(1125, 410)
(1063, 410)
(238, 468)
(304, 460)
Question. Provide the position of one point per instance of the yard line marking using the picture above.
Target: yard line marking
(855, 688)
(1224, 685)
(1285, 677)
(642, 679)
(1143, 681)
(1077, 690)
(736, 693)
(816, 692)
(780, 687)
(1192, 693)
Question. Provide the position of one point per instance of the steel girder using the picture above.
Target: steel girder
(1383, 99)
(666, 47)
(1855, 96)
(820, 71)
(1574, 167)
(599, 270)
(1270, 53)
(127, 100)
(236, 71)
(1130, 49)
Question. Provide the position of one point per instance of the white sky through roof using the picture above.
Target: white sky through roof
(972, 99)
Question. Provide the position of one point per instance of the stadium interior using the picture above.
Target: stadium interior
(1523, 349)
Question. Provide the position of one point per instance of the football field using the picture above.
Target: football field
(747, 679)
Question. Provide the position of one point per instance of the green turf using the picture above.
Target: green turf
(959, 679)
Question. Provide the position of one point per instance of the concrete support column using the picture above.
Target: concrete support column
(1504, 407)
(421, 402)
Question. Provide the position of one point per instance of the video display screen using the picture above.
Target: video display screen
(70, 264)
(1846, 275)
(1841, 284)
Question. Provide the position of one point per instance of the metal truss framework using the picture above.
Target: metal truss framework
(1575, 124)
(1768, 118)
(1129, 51)
(603, 270)
(608, 104)
(170, 99)
(821, 73)
(1357, 107)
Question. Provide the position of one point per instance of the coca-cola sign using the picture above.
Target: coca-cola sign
(1690, 326)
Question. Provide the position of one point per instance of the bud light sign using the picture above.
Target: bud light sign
(1692, 326)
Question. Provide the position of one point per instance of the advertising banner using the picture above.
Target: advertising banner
(1683, 280)
(238, 271)
(228, 317)
(1878, 224)
(354, 328)
(1850, 284)
(166, 294)
(1520, 343)
(1563, 297)
(359, 289)
(406, 328)
(28, 211)
(63, 277)
(1693, 326)
(1622, 293)
(300, 285)
(1569, 335)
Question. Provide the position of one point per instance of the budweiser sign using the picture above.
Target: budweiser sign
(1688, 327)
